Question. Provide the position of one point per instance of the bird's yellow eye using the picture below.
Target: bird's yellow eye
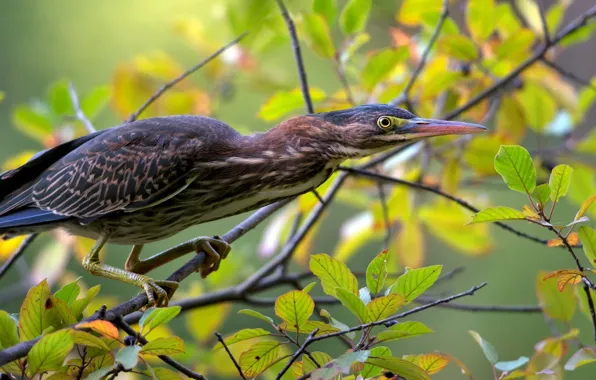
(385, 122)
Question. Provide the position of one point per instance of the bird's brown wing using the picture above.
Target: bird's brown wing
(129, 168)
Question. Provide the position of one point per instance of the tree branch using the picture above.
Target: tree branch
(297, 56)
(182, 76)
(18, 253)
(166, 359)
(78, 111)
(571, 28)
(225, 346)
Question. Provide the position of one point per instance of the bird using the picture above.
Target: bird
(148, 179)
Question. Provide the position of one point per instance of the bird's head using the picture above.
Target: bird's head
(363, 130)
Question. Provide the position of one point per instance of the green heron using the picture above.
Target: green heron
(150, 179)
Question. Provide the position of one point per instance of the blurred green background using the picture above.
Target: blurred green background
(42, 41)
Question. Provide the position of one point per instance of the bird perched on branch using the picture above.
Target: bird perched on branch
(150, 179)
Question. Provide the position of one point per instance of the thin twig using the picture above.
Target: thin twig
(77, 108)
(405, 95)
(297, 56)
(341, 74)
(182, 76)
(225, 346)
(543, 22)
(461, 202)
(571, 28)
(119, 321)
(587, 284)
(15, 256)
(294, 357)
(568, 74)
(387, 222)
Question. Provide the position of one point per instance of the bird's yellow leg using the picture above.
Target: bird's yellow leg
(216, 249)
(154, 289)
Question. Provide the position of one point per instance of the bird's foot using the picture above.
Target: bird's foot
(156, 294)
(216, 249)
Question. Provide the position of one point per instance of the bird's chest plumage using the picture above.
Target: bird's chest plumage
(215, 195)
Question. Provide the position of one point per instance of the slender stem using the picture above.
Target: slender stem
(461, 202)
(341, 74)
(77, 108)
(225, 346)
(294, 357)
(119, 321)
(18, 253)
(182, 76)
(298, 56)
(568, 74)
(571, 28)
(405, 95)
(543, 22)
(383, 200)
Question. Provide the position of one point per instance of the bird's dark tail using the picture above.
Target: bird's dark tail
(23, 220)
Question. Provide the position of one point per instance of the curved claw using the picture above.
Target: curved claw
(216, 249)
(155, 288)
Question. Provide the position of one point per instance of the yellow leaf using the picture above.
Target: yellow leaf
(18, 160)
(554, 243)
(538, 104)
(431, 363)
(411, 11)
(203, 323)
(565, 276)
(510, 120)
(104, 328)
(584, 207)
(481, 18)
(259, 357)
(294, 307)
(283, 103)
(8, 247)
(556, 304)
(333, 274)
(409, 245)
(384, 307)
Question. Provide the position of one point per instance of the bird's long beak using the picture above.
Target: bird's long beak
(418, 128)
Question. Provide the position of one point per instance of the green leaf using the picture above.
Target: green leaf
(8, 330)
(310, 326)
(370, 371)
(155, 317)
(59, 98)
(89, 340)
(32, 122)
(587, 236)
(403, 330)
(81, 304)
(294, 307)
(400, 367)
(318, 35)
(95, 101)
(49, 352)
(581, 357)
(541, 193)
(164, 346)
(240, 336)
(376, 273)
(256, 359)
(515, 165)
(481, 20)
(560, 178)
(2, 95)
(38, 312)
(167, 374)
(69, 292)
(352, 302)
(309, 287)
(322, 358)
(494, 214)
(333, 274)
(512, 364)
(538, 104)
(354, 16)
(340, 365)
(415, 281)
(128, 356)
(256, 314)
(283, 103)
(580, 35)
(383, 307)
(556, 304)
(488, 349)
(99, 374)
(380, 65)
(327, 9)
(459, 47)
